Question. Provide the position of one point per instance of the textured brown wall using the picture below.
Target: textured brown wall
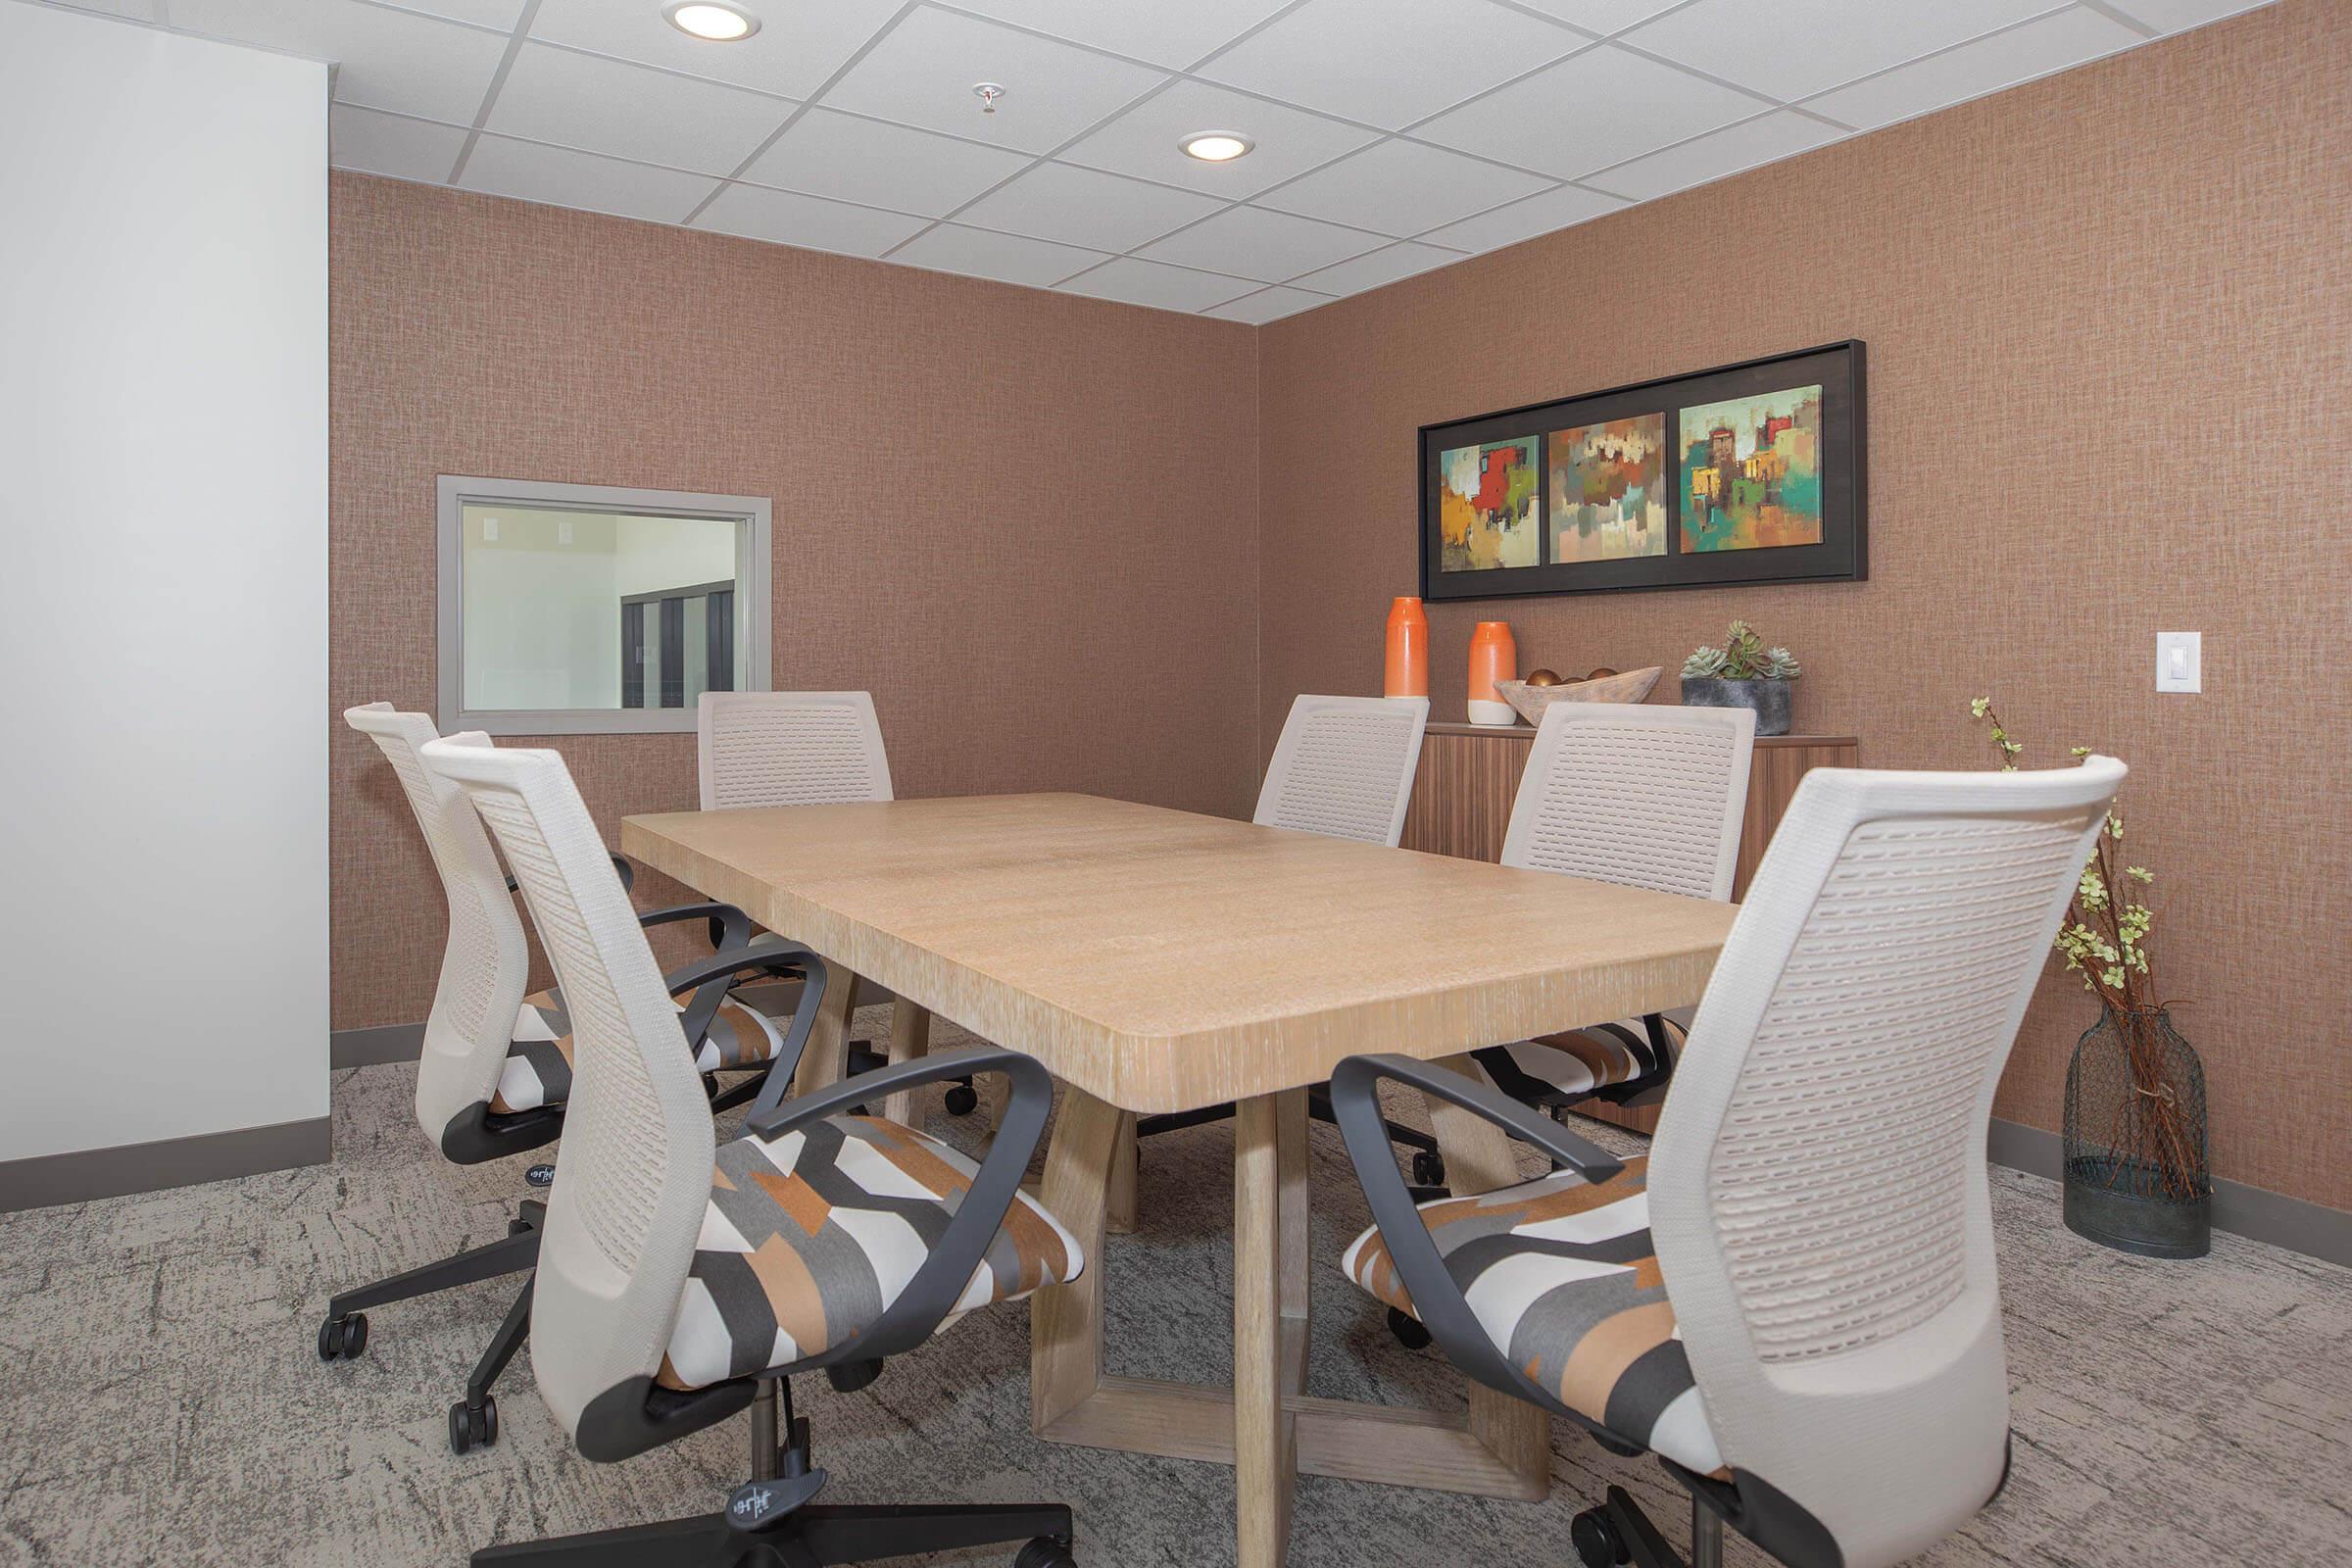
(1028, 522)
(2110, 329)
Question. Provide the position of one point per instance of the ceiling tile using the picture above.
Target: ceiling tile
(1761, 140)
(397, 60)
(1143, 140)
(923, 71)
(798, 46)
(558, 175)
(1538, 215)
(604, 106)
(1402, 187)
(1267, 305)
(871, 161)
(2178, 15)
(1250, 242)
(1596, 109)
(1381, 266)
(1084, 207)
(2053, 43)
(498, 14)
(1390, 62)
(1799, 47)
(1157, 30)
(788, 219)
(1169, 288)
(376, 144)
(1008, 258)
(1602, 17)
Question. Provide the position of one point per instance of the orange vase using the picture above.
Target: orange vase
(1409, 651)
(1493, 656)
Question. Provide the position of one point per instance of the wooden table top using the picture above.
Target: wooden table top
(1162, 961)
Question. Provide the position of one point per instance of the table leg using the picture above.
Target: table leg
(1065, 1321)
(1269, 1318)
(1119, 1219)
(823, 1058)
(910, 1038)
(1479, 1160)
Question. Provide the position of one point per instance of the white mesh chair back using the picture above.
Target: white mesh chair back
(485, 964)
(1817, 1186)
(1645, 797)
(789, 748)
(1344, 767)
(638, 1147)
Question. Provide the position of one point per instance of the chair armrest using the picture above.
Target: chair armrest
(733, 927)
(939, 1282)
(1437, 1300)
(710, 979)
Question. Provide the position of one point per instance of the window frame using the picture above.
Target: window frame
(753, 624)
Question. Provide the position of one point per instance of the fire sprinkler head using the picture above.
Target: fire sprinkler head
(988, 92)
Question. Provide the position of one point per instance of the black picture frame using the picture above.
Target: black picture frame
(1841, 556)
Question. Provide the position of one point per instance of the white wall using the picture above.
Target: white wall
(162, 536)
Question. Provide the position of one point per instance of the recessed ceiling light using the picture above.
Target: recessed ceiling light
(1216, 146)
(708, 20)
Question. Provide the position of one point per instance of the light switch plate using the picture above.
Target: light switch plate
(2180, 662)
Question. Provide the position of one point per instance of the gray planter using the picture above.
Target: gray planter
(1769, 698)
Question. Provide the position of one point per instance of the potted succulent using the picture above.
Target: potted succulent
(2136, 1176)
(1743, 673)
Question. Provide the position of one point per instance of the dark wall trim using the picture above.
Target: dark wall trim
(369, 1047)
(2257, 1213)
(93, 1173)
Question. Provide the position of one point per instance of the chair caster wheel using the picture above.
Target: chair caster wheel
(1429, 1169)
(1408, 1330)
(1046, 1552)
(962, 1100)
(470, 1428)
(1597, 1545)
(342, 1338)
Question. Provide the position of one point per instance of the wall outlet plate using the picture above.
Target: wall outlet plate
(2180, 662)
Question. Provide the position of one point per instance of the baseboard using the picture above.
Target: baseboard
(2254, 1212)
(370, 1048)
(92, 1174)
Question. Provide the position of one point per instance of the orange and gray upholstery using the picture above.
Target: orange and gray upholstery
(1792, 1300)
(538, 1069)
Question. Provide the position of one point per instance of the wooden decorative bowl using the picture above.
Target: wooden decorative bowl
(1631, 687)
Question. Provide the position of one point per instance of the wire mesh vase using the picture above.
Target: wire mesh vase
(2136, 1177)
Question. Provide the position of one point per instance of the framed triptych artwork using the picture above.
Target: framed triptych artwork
(1745, 473)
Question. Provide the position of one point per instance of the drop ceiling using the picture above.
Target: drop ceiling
(1393, 136)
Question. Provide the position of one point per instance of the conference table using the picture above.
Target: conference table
(1161, 960)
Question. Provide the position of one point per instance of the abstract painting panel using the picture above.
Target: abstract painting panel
(1608, 490)
(1491, 507)
(1751, 472)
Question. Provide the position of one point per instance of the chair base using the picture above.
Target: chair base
(1618, 1532)
(812, 1535)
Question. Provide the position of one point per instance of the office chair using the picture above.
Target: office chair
(1642, 797)
(496, 1069)
(683, 1281)
(1343, 767)
(1792, 1301)
(799, 749)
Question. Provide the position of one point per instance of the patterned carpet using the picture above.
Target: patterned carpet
(165, 1401)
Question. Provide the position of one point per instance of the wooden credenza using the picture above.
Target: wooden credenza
(1469, 773)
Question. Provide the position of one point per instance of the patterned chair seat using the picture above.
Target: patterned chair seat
(538, 1069)
(1584, 1062)
(808, 1239)
(1562, 1276)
